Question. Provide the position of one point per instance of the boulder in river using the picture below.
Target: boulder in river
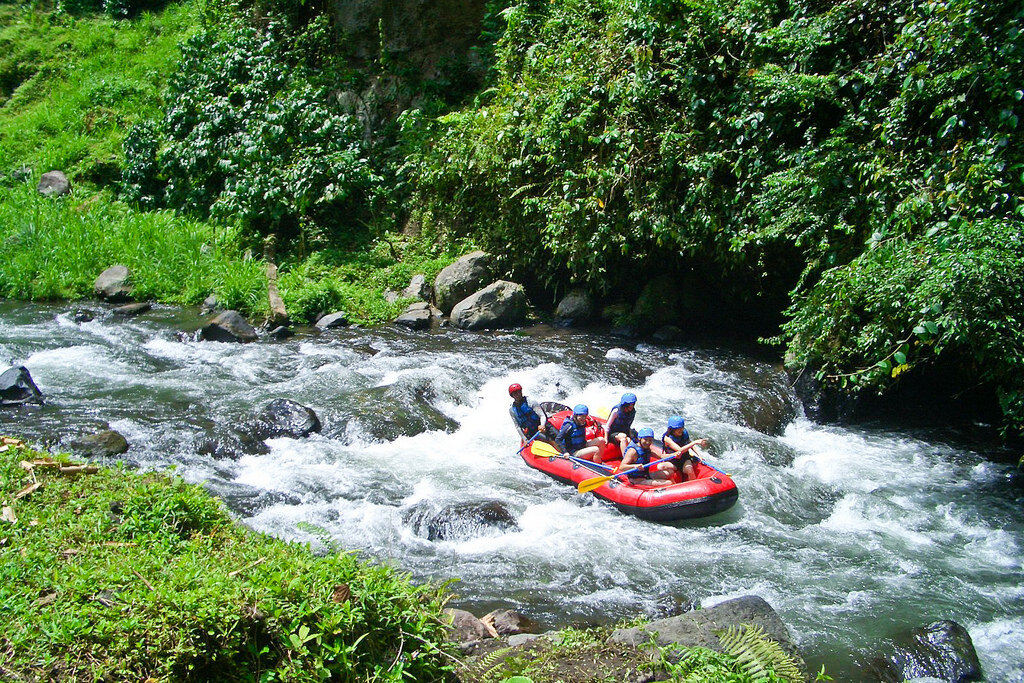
(699, 628)
(129, 310)
(332, 320)
(394, 410)
(17, 387)
(942, 649)
(229, 326)
(459, 521)
(465, 627)
(418, 288)
(460, 279)
(500, 304)
(104, 444)
(417, 316)
(114, 285)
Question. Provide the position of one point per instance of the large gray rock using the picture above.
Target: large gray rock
(942, 650)
(229, 326)
(576, 308)
(17, 387)
(114, 285)
(697, 628)
(54, 184)
(105, 444)
(508, 622)
(500, 304)
(460, 279)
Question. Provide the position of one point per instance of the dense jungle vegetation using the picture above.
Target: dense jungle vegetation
(845, 178)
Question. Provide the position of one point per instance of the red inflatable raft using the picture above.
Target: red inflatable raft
(711, 492)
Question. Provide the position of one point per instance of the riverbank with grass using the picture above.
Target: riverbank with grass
(110, 575)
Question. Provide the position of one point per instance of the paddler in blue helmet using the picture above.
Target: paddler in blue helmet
(676, 439)
(572, 437)
(641, 452)
(620, 422)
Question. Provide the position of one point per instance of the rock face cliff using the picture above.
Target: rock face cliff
(428, 36)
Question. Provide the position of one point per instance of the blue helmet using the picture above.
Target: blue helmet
(675, 422)
(645, 433)
(581, 409)
(628, 398)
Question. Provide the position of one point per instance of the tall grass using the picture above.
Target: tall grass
(55, 249)
(71, 87)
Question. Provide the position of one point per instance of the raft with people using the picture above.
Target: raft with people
(702, 492)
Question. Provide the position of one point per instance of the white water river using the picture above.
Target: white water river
(852, 534)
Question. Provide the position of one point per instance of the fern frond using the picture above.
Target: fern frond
(757, 654)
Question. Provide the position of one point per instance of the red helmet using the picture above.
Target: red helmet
(513, 388)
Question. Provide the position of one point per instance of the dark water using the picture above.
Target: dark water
(852, 534)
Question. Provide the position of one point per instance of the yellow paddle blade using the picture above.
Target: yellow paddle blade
(588, 485)
(540, 449)
(602, 412)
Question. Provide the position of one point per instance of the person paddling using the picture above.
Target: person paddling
(572, 437)
(528, 416)
(620, 422)
(641, 452)
(676, 439)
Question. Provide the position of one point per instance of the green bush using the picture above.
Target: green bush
(249, 136)
(771, 146)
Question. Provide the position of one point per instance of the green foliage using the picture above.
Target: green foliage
(117, 577)
(774, 144)
(758, 655)
(250, 134)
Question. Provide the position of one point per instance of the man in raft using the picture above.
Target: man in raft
(620, 422)
(528, 417)
(641, 452)
(573, 440)
(676, 439)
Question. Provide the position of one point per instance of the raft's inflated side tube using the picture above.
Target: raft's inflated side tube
(710, 493)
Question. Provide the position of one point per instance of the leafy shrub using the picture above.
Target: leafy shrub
(768, 145)
(248, 136)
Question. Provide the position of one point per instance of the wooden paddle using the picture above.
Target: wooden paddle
(588, 485)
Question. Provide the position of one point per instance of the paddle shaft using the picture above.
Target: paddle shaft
(703, 458)
(528, 442)
(546, 450)
(588, 485)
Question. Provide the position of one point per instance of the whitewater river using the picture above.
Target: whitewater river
(851, 534)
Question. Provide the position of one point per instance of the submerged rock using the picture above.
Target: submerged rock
(283, 417)
(459, 521)
(942, 649)
(105, 444)
(389, 412)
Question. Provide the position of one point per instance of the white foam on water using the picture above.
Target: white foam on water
(1000, 647)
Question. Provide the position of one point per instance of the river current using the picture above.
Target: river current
(853, 534)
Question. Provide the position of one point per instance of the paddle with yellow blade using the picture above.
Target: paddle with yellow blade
(546, 450)
(588, 485)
